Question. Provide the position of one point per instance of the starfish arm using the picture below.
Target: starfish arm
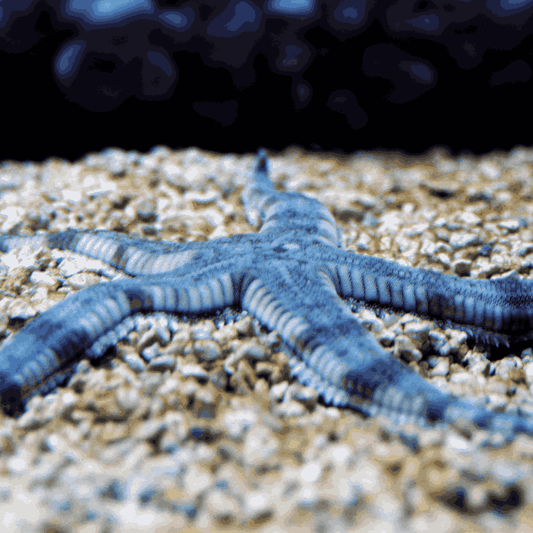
(345, 363)
(502, 306)
(36, 357)
(284, 212)
(136, 257)
(340, 358)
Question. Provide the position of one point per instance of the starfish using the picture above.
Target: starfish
(292, 276)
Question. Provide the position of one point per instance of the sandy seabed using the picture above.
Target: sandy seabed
(196, 425)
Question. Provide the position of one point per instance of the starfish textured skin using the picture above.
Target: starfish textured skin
(291, 276)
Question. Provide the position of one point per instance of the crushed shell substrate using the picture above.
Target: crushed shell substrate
(194, 424)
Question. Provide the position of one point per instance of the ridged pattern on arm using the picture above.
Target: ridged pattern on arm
(501, 305)
(286, 212)
(56, 338)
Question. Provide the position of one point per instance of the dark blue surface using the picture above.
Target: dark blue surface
(232, 76)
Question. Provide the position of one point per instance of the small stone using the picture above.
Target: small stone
(132, 359)
(404, 348)
(511, 225)
(442, 368)
(485, 269)
(207, 350)
(462, 267)
(147, 210)
(128, 399)
(278, 391)
(45, 279)
(157, 334)
(200, 199)
(194, 371)
(387, 337)
(162, 363)
(152, 352)
(497, 385)
(439, 342)
(528, 370)
(260, 447)
(497, 401)
(249, 350)
(370, 321)
(222, 507)
(203, 331)
(257, 504)
(245, 326)
(469, 218)
(462, 240)
(16, 278)
(177, 345)
(68, 268)
(21, 310)
(83, 280)
(196, 481)
(291, 409)
(460, 378)
(225, 334)
(150, 429)
(522, 249)
(490, 170)
(239, 422)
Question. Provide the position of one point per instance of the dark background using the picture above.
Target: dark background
(235, 75)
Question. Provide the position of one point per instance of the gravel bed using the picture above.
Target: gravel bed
(194, 424)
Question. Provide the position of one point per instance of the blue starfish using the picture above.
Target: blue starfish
(292, 277)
